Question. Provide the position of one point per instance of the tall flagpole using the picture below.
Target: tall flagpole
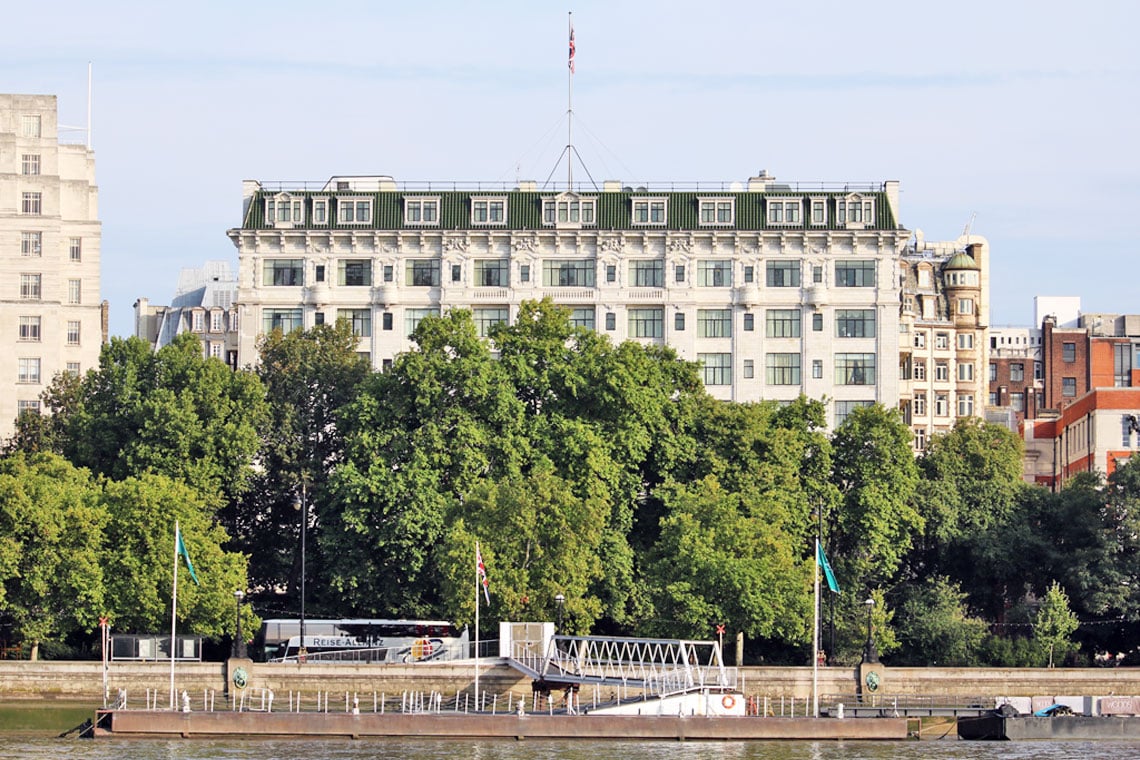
(477, 580)
(173, 614)
(815, 638)
(570, 108)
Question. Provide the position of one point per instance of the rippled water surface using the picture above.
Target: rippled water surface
(446, 749)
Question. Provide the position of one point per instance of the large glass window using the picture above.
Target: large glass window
(855, 274)
(30, 287)
(714, 323)
(360, 319)
(423, 273)
(487, 317)
(282, 272)
(32, 204)
(492, 273)
(354, 272)
(28, 370)
(714, 274)
(855, 323)
(646, 322)
(1122, 365)
(782, 369)
(31, 243)
(782, 323)
(854, 369)
(582, 316)
(783, 274)
(647, 273)
(413, 317)
(285, 320)
(716, 369)
(1016, 372)
(844, 409)
(568, 273)
(30, 329)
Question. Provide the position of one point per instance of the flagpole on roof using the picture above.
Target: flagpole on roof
(570, 108)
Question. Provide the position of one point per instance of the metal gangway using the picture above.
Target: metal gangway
(659, 667)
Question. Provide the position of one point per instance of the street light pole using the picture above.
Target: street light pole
(302, 505)
(869, 653)
(239, 640)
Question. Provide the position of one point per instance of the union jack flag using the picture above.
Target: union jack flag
(571, 48)
(482, 572)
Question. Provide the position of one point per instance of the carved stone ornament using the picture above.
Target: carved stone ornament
(680, 245)
(612, 244)
(455, 245)
(528, 244)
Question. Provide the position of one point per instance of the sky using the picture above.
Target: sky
(1017, 119)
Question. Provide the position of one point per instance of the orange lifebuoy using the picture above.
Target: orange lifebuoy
(728, 701)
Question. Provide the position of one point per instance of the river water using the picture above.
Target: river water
(37, 748)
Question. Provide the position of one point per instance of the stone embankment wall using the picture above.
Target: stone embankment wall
(83, 681)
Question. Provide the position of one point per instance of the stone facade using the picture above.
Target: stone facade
(51, 316)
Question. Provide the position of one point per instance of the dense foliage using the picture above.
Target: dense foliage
(601, 472)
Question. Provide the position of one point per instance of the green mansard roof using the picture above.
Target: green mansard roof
(614, 210)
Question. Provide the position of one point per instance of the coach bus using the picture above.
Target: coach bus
(362, 640)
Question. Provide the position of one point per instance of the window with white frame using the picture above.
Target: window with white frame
(855, 323)
(421, 211)
(488, 211)
(31, 243)
(920, 439)
(920, 339)
(359, 319)
(783, 274)
(1069, 387)
(854, 369)
(320, 213)
(920, 369)
(284, 209)
(30, 329)
(30, 164)
(647, 273)
(30, 287)
(817, 369)
(749, 369)
(285, 320)
(844, 409)
(32, 204)
(75, 249)
(941, 404)
(782, 323)
(965, 371)
(782, 369)
(965, 404)
(354, 272)
(784, 210)
(568, 273)
(855, 210)
(918, 404)
(818, 211)
(354, 210)
(568, 210)
(646, 322)
(216, 349)
(1016, 372)
(487, 317)
(72, 368)
(73, 328)
(965, 341)
(965, 306)
(199, 320)
(28, 370)
(216, 321)
(855, 274)
(1017, 401)
(649, 212)
(30, 125)
(717, 211)
(282, 272)
(422, 273)
(492, 273)
(941, 340)
(941, 370)
(716, 369)
(714, 323)
(74, 291)
(582, 316)
(413, 317)
(27, 406)
(714, 273)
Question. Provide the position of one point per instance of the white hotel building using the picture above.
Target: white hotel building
(776, 289)
(51, 317)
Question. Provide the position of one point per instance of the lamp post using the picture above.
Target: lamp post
(869, 653)
(300, 503)
(559, 600)
(239, 640)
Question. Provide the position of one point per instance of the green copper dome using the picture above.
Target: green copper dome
(961, 261)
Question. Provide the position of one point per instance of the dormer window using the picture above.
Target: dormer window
(855, 210)
(568, 210)
(421, 211)
(320, 214)
(717, 212)
(818, 211)
(488, 211)
(649, 212)
(284, 210)
(354, 210)
(785, 211)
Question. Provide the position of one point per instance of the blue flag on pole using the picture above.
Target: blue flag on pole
(821, 558)
(186, 556)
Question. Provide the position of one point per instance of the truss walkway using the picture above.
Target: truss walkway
(660, 667)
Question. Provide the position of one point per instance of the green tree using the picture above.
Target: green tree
(538, 539)
(1054, 622)
(139, 559)
(935, 626)
(51, 536)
